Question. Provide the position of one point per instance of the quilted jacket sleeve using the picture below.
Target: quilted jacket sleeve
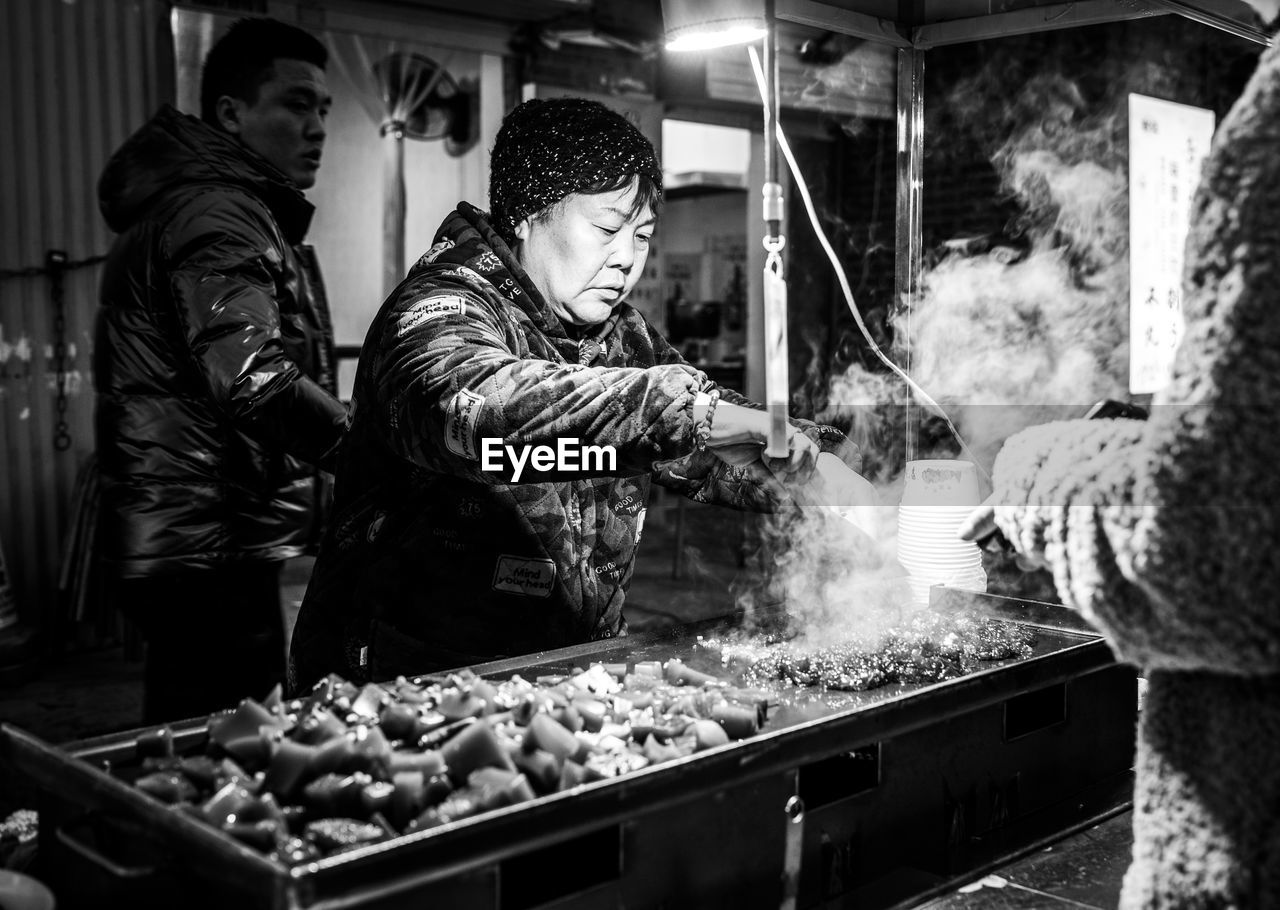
(1165, 534)
(704, 478)
(448, 380)
(226, 259)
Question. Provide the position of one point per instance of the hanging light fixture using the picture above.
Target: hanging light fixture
(693, 25)
(702, 25)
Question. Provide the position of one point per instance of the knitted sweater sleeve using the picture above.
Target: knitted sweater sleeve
(1165, 534)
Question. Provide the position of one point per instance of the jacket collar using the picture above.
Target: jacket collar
(174, 150)
(466, 238)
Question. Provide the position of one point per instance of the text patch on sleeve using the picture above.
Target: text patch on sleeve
(530, 577)
(460, 422)
(425, 310)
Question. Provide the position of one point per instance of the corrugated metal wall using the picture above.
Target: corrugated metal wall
(76, 78)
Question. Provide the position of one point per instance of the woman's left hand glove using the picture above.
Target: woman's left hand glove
(796, 467)
(798, 464)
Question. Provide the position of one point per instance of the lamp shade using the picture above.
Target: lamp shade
(702, 24)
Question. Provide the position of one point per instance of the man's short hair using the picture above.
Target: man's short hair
(243, 58)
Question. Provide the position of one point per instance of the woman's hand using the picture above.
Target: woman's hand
(799, 463)
(738, 436)
(836, 484)
(739, 455)
(733, 424)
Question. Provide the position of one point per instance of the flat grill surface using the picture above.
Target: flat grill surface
(805, 725)
(722, 650)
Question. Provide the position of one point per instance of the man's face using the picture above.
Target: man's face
(587, 254)
(285, 124)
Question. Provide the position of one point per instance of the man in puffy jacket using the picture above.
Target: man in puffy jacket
(214, 369)
(510, 411)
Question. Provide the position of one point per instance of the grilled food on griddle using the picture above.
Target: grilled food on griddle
(928, 647)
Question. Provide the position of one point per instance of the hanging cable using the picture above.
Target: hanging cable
(803, 187)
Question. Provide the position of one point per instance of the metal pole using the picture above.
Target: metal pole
(771, 103)
(775, 287)
(393, 206)
(908, 219)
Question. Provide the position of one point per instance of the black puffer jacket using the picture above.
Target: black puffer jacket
(433, 560)
(213, 355)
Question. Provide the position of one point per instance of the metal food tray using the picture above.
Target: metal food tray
(843, 799)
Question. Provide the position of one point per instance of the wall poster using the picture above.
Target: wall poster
(1168, 143)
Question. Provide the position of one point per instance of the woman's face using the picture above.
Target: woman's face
(586, 253)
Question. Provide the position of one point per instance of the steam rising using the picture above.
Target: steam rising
(1005, 339)
(1046, 330)
(835, 581)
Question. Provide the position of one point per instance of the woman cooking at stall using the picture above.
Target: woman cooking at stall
(509, 412)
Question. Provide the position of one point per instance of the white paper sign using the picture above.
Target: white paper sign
(1168, 143)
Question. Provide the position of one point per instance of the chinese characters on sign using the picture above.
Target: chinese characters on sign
(1168, 143)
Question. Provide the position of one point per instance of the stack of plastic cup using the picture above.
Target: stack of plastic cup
(937, 496)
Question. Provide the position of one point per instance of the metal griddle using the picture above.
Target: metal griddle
(844, 799)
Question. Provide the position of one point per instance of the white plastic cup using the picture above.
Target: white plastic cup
(941, 482)
(937, 496)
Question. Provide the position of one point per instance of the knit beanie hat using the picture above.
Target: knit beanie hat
(547, 149)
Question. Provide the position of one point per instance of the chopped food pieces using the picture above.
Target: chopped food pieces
(346, 765)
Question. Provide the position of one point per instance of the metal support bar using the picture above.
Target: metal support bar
(908, 230)
(1034, 19)
(777, 383)
(793, 849)
(769, 63)
(831, 18)
(393, 205)
(1217, 20)
(1041, 18)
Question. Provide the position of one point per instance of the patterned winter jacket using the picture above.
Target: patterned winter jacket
(432, 560)
(1165, 535)
(213, 361)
